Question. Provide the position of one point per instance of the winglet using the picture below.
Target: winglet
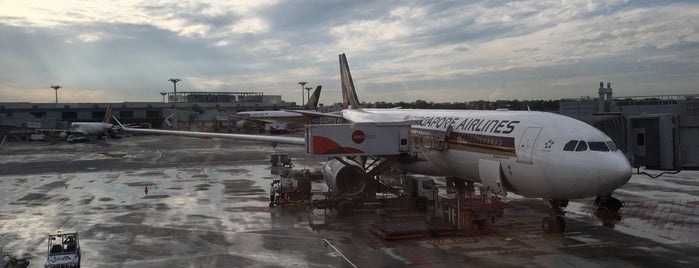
(313, 99)
(349, 95)
(117, 120)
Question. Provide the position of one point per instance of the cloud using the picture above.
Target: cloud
(427, 50)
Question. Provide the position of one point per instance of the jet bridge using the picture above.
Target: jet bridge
(358, 139)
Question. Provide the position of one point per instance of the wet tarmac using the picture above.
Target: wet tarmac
(207, 206)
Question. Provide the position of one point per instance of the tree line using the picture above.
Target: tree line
(513, 105)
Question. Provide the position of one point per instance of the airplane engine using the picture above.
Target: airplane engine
(341, 177)
(240, 124)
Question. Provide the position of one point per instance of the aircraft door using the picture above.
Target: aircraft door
(491, 176)
(526, 145)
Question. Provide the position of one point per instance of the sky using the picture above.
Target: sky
(437, 51)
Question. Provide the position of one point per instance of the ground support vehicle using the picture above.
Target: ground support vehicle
(381, 193)
(63, 250)
(294, 187)
(460, 211)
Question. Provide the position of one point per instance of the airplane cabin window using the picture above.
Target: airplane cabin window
(598, 146)
(612, 146)
(582, 146)
(570, 146)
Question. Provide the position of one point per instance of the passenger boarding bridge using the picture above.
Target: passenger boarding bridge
(657, 132)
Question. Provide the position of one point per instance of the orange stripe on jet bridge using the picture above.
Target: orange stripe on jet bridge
(323, 145)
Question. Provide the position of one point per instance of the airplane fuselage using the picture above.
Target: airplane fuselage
(90, 128)
(524, 149)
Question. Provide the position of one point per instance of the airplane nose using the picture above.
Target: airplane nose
(614, 171)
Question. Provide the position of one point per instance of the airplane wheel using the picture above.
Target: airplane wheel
(346, 210)
(552, 225)
(610, 203)
(561, 224)
(421, 204)
(614, 205)
(547, 225)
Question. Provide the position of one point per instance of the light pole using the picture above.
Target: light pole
(174, 88)
(163, 93)
(302, 83)
(308, 90)
(56, 87)
(174, 99)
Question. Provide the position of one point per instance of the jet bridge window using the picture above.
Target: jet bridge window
(598, 146)
(570, 146)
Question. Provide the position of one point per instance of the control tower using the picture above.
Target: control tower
(605, 98)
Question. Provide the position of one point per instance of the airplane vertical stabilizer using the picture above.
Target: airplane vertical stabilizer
(313, 99)
(108, 115)
(349, 95)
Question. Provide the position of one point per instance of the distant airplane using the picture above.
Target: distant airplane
(533, 154)
(81, 130)
(279, 121)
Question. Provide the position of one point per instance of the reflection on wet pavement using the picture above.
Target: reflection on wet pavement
(207, 206)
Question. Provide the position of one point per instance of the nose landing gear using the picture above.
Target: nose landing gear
(555, 223)
(610, 203)
(608, 210)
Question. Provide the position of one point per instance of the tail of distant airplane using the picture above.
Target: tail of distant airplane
(313, 99)
(349, 95)
(108, 115)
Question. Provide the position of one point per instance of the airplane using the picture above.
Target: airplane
(278, 121)
(532, 154)
(81, 130)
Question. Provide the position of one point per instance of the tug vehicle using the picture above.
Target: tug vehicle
(63, 250)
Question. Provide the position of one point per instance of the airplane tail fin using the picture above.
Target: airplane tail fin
(349, 95)
(108, 115)
(313, 99)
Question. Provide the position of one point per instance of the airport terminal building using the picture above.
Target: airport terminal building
(658, 132)
(194, 111)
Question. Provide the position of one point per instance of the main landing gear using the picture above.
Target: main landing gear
(555, 223)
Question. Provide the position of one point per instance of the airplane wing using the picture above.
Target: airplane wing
(246, 137)
(315, 114)
(264, 121)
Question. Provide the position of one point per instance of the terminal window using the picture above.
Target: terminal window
(640, 139)
(126, 114)
(69, 115)
(98, 115)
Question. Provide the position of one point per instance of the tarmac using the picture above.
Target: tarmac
(207, 206)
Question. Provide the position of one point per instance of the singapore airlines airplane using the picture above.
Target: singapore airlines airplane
(533, 154)
(278, 121)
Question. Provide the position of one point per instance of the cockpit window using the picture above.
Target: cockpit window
(582, 146)
(598, 146)
(612, 146)
(570, 146)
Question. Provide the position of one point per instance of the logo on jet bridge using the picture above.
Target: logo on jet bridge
(358, 136)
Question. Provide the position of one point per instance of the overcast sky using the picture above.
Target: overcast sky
(440, 51)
